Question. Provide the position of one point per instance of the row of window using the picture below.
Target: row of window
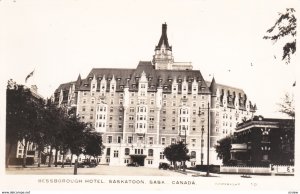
(141, 152)
(150, 140)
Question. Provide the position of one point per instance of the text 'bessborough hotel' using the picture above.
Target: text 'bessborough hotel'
(141, 111)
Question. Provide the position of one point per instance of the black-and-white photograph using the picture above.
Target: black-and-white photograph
(159, 94)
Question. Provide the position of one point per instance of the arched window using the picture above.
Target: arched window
(127, 151)
(193, 154)
(150, 152)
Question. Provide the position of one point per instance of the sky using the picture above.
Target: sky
(61, 39)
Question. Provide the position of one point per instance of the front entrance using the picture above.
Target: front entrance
(139, 159)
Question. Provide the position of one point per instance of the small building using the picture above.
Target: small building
(264, 141)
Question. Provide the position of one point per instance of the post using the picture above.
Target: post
(207, 173)
(75, 167)
(202, 130)
(185, 145)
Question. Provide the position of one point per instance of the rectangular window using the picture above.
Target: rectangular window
(150, 162)
(131, 125)
(173, 140)
(164, 111)
(163, 141)
(164, 119)
(150, 140)
(116, 153)
(173, 128)
(119, 139)
(131, 118)
(83, 109)
(111, 109)
(110, 125)
(131, 109)
(161, 155)
(151, 118)
(109, 140)
(108, 152)
(152, 110)
(129, 140)
(120, 126)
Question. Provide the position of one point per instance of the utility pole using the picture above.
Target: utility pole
(208, 124)
(208, 112)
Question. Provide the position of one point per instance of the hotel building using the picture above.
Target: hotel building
(141, 111)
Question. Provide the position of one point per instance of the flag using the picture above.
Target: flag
(28, 76)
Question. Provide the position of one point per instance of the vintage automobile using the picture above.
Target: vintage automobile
(87, 164)
(133, 164)
(163, 165)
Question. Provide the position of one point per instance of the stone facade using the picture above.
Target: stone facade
(141, 111)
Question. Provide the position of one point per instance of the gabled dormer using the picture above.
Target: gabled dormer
(184, 88)
(94, 84)
(103, 86)
(194, 87)
(113, 84)
(143, 85)
(174, 86)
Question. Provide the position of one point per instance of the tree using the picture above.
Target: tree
(177, 153)
(285, 26)
(93, 143)
(223, 149)
(288, 105)
(23, 117)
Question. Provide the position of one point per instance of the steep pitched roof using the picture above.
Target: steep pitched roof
(213, 87)
(130, 78)
(164, 38)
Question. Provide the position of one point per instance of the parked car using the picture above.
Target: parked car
(87, 164)
(163, 165)
(133, 164)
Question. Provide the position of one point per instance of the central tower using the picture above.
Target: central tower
(163, 58)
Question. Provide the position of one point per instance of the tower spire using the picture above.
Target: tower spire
(163, 39)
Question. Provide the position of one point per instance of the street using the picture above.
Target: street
(127, 171)
(99, 170)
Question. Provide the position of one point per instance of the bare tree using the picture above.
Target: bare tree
(287, 106)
